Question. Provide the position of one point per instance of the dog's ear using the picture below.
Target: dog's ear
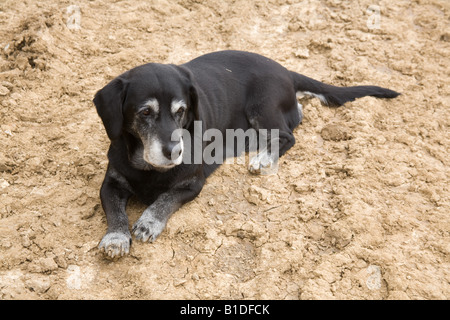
(193, 102)
(109, 101)
(193, 112)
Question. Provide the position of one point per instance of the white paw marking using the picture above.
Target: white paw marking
(262, 163)
(115, 244)
(148, 227)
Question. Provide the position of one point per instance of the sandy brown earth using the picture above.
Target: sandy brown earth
(359, 208)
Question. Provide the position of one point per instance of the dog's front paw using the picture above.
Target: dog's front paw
(148, 228)
(262, 163)
(115, 244)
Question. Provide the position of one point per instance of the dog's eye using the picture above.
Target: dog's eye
(146, 112)
(179, 112)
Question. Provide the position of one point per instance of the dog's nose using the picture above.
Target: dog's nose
(172, 150)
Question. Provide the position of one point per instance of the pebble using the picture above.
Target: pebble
(38, 285)
(256, 194)
(335, 132)
(4, 184)
(26, 242)
(3, 90)
(179, 282)
(302, 53)
(43, 265)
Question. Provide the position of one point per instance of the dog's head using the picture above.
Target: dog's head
(150, 103)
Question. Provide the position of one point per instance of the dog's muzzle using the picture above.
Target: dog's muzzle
(165, 156)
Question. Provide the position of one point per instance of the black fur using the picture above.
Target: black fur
(337, 96)
(224, 90)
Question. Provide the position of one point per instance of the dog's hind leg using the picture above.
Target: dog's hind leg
(274, 131)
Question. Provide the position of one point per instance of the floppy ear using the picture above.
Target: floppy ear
(108, 102)
(193, 112)
(193, 102)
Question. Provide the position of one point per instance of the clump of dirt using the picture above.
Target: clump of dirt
(358, 209)
(27, 48)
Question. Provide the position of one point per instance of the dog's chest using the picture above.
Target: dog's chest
(149, 186)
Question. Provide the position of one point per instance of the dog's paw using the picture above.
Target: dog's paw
(262, 163)
(148, 228)
(115, 244)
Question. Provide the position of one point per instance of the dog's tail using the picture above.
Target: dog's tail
(337, 96)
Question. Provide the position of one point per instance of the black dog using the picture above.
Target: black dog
(142, 108)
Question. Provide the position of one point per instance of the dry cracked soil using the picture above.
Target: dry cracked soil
(359, 207)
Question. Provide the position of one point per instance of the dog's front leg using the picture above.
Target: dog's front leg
(114, 196)
(153, 221)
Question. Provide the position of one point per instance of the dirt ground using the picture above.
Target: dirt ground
(359, 208)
